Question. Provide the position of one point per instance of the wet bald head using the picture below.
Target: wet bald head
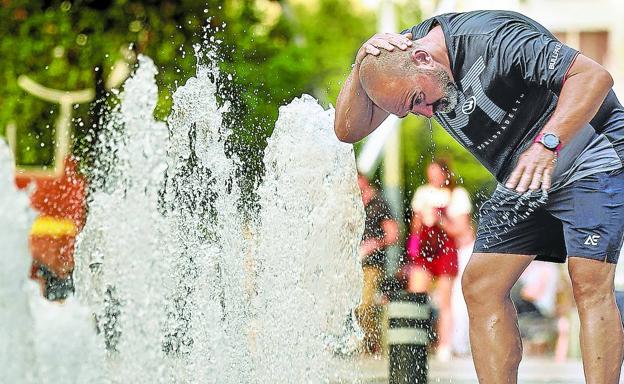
(410, 81)
(387, 66)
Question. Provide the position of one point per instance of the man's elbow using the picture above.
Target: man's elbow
(608, 79)
(593, 74)
(343, 134)
(603, 77)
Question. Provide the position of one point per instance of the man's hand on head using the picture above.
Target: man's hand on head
(533, 170)
(387, 41)
(356, 114)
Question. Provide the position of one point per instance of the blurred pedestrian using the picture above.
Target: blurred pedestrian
(380, 232)
(535, 299)
(441, 217)
(536, 291)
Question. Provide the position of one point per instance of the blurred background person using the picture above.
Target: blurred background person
(536, 290)
(535, 299)
(440, 222)
(380, 232)
(60, 204)
(459, 227)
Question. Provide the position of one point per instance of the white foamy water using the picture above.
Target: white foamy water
(185, 289)
(40, 341)
(207, 311)
(120, 255)
(311, 218)
(16, 340)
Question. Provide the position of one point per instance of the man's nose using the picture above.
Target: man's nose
(425, 110)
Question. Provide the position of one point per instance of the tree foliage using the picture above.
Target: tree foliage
(274, 49)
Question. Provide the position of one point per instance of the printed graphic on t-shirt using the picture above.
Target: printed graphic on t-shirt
(509, 71)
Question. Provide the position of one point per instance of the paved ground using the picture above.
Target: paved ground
(461, 371)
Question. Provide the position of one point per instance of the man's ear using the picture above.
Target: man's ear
(421, 58)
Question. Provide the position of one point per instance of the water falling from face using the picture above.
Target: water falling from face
(400, 85)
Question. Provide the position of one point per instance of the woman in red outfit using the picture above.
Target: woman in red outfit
(432, 251)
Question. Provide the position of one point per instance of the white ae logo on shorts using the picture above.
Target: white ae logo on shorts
(592, 240)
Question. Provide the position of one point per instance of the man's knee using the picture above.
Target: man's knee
(468, 281)
(488, 278)
(477, 287)
(592, 281)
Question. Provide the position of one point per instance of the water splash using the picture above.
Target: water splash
(308, 277)
(186, 288)
(40, 341)
(119, 254)
(206, 309)
(16, 338)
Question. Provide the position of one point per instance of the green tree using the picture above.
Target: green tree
(61, 44)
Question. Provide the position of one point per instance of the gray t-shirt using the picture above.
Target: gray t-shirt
(510, 70)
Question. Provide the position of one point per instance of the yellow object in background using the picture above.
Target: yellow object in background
(52, 226)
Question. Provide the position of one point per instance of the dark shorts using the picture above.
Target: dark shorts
(55, 288)
(583, 219)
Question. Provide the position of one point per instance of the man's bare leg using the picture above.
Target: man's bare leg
(602, 337)
(494, 335)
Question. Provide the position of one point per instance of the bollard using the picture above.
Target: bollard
(408, 336)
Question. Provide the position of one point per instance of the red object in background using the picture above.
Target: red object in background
(61, 197)
(60, 203)
(55, 252)
(434, 250)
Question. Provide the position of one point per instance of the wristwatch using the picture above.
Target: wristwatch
(549, 140)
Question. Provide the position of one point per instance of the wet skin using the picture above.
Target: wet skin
(494, 335)
(497, 349)
(402, 96)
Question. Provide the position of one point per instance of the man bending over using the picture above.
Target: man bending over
(543, 119)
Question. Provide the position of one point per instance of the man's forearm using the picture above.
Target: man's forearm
(584, 90)
(580, 98)
(356, 114)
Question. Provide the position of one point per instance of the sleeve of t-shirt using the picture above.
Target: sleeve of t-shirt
(419, 30)
(536, 56)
